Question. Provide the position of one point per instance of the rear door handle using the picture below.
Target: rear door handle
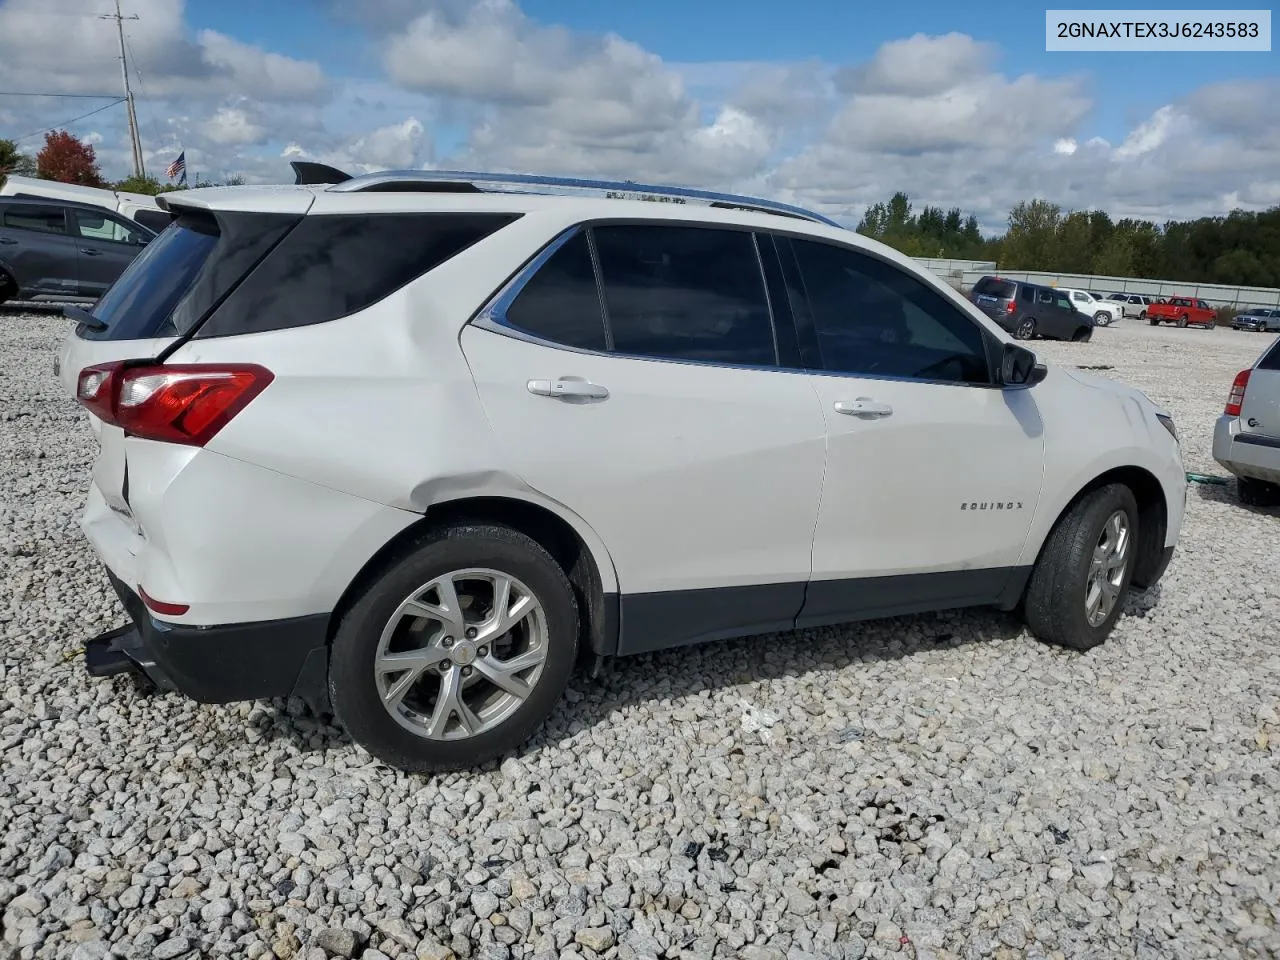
(863, 407)
(90, 253)
(569, 388)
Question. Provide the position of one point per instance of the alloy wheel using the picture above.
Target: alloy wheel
(461, 654)
(1107, 568)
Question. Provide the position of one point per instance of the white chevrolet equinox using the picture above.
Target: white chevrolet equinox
(409, 445)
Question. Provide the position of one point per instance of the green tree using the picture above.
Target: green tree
(14, 161)
(1032, 236)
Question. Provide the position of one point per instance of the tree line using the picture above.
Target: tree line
(1240, 249)
(68, 159)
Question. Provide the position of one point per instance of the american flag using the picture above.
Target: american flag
(178, 166)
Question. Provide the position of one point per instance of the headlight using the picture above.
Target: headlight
(1167, 423)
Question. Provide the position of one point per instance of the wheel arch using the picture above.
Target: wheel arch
(1153, 517)
(590, 571)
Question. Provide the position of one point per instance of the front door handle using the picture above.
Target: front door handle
(568, 388)
(863, 407)
(90, 253)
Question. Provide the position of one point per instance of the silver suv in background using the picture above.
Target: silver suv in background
(1246, 438)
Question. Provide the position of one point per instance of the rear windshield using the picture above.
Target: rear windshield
(230, 273)
(183, 272)
(993, 287)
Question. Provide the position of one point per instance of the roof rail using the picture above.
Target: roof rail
(462, 181)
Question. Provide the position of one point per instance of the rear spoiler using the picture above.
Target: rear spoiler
(308, 172)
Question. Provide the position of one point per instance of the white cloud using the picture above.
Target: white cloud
(480, 84)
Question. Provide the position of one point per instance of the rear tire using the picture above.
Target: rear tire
(1026, 329)
(461, 646)
(1182, 320)
(1089, 554)
(1257, 493)
(1153, 321)
(8, 286)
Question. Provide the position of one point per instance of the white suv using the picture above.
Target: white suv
(409, 445)
(1104, 312)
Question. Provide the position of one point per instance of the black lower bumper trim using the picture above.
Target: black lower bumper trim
(219, 664)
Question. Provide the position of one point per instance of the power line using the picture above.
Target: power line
(69, 96)
(64, 123)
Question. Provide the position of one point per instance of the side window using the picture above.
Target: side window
(1029, 294)
(685, 293)
(1046, 296)
(38, 219)
(333, 265)
(96, 226)
(875, 319)
(560, 302)
(1063, 303)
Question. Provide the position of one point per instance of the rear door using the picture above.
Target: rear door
(37, 249)
(106, 245)
(654, 407)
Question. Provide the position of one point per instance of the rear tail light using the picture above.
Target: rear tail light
(181, 403)
(1235, 399)
(1010, 307)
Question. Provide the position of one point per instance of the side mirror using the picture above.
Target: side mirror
(1020, 368)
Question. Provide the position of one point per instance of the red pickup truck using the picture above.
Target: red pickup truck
(1183, 311)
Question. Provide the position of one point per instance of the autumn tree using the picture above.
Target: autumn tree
(68, 160)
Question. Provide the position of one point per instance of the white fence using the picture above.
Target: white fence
(965, 273)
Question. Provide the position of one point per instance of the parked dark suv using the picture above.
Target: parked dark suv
(61, 249)
(1029, 310)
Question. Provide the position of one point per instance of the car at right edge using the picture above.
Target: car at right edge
(1246, 437)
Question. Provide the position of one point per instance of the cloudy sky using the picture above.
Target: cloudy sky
(833, 104)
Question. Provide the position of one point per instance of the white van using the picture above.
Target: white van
(136, 206)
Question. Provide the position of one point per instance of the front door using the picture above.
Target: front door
(933, 472)
(37, 250)
(106, 245)
(663, 421)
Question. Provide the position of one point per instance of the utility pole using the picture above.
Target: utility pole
(139, 170)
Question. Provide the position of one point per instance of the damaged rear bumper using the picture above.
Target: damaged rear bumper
(218, 664)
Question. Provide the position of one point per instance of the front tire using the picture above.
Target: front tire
(458, 652)
(1102, 318)
(1081, 580)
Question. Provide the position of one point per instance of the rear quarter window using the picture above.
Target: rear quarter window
(333, 265)
(1271, 359)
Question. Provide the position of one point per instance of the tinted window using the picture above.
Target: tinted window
(95, 226)
(157, 220)
(40, 219)
(875, 319)
(1029, 294)
(178, 276)
(992, 287)
(331, 266)
(1271, 359)
(560, 302)
(687, 293)
(1045, 296)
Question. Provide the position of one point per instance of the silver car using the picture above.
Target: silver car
(1246, 438)
(1259, 318)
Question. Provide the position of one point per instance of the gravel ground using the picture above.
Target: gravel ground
(935, 786)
